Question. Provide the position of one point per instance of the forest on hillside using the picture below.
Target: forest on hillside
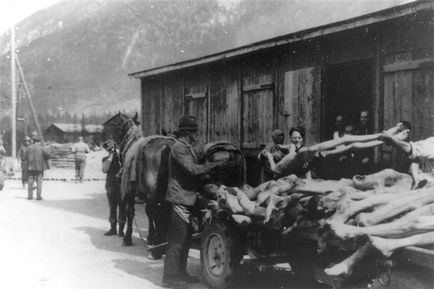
(76, 55)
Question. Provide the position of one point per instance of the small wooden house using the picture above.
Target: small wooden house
(382, 62)
(69, 132)
(93, 133)
(63, 132)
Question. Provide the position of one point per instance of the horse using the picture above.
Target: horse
(144, 162)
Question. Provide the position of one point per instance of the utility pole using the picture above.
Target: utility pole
(29, 98)
(13, 95)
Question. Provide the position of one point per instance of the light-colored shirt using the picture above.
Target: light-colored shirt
(2, 150)
(80, 148)
(423, 152)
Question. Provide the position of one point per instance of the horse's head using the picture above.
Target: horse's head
(118, 126)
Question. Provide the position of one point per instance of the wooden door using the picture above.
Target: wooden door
(409, 94)
(196, 104)
(302, 101)
(257, 101)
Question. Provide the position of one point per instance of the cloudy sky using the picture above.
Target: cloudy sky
(13, 11)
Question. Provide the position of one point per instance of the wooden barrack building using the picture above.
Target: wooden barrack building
(382, 62)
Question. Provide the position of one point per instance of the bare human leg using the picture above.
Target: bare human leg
(346, 266)
(387, 246)
(400, 227)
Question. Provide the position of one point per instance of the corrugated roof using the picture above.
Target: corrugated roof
(360, 21)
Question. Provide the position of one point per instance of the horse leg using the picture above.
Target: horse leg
(161, 222)
(128, 241)
(151, 224)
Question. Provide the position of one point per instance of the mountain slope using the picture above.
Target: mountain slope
(76, 54)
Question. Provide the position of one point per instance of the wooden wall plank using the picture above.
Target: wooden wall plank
(258, 83)
(196, 95)
(423, 103)
(303, 93)
(151, 115)
(172, 105)
(225, 105)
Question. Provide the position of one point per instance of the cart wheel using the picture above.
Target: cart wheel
(220, 255)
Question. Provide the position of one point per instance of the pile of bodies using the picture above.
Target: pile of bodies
(373, 211)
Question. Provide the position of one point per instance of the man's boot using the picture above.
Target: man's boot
(112, 230)
(121, 229)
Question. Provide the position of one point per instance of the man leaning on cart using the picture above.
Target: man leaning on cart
(183, 187)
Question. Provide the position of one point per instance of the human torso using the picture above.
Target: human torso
(23, 153)
(35, 158)
(81, 149)
(423, 152)
(112, 177)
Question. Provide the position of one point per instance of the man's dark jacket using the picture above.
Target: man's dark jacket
(112, 180)
(184, 175)
(37, 157)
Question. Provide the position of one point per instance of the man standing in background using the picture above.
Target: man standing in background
(80, 149)
(22, 155)
(2, 153)
(362, 127)
(37, 157)
(111, 166)
(363, 159)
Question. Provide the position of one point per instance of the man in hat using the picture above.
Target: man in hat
(80, 149)
(183, 186)
(111, 166)
(22, 155)
(37, 157)
(2, 153)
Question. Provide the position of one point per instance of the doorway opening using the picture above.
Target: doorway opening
(348, 91)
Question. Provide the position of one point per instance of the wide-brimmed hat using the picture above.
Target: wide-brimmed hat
(188, 123)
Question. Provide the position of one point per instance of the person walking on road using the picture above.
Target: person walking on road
(22, 155)
(182, 191)
(111, 166)
(37, 157)
(2, 153)
(80, 149)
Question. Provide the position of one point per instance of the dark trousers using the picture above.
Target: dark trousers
(80, 164)
(35, 176)
(117, 213)
(179, 240)
(24, 173)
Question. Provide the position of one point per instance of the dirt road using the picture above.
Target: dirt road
(59, 243)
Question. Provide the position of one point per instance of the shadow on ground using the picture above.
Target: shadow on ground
(150, 270)
(95, 205)
(112, 243)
